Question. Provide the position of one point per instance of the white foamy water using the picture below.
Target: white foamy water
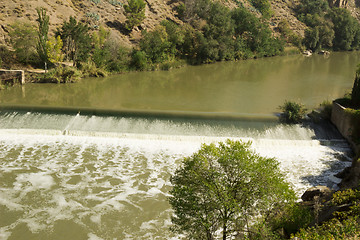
(76, 184)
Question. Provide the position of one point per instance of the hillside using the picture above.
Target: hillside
(110, 13)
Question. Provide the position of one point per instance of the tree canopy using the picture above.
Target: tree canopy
(221, 188)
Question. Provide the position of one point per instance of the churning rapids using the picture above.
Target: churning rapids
(68, 176)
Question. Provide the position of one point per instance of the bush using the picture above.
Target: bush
(62, 75)
(355, 93)
(263, 6)
(292, 112)
(89, 69)
(135, 13)
(139, 60)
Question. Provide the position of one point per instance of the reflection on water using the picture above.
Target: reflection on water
(246, 87)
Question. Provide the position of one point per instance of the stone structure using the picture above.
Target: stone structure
(12, 76)
(342, 120)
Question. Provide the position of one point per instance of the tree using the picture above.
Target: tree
(53, 48)
(22, 38)
(135, 13)
(221, 189)
(346, 28)
(43, 24)
(156, 45)
(76, 39)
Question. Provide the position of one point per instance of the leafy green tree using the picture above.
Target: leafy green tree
(135, 13)
(156, 45)
(54, 49)
(346, 29)
(76, 39)
(23, 40)
(221, 189)
(43, 29)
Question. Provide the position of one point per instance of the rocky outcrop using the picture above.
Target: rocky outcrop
(318, 191)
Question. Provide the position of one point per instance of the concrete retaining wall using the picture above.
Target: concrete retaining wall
(342, 120)
(12, 76)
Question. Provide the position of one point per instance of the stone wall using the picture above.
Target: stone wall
(341, 120)
(12, 76)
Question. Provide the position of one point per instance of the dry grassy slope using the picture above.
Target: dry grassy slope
(113, 16)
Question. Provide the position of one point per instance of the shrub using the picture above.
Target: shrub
(62, 75)
(289, 219)
(355, 93)
(139, 60)
(89, 69)
(135, 13)
(263, 6)
(292, 112)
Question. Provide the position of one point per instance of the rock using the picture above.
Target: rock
(307, 53)
(322, 52)
(321, 191)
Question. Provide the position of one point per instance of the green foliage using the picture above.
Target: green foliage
(115, 3)
(62, 75)
(355, 93)
(346, 29)
(139, 60)
(346, 196)
(328, 28)
(319, 37)
(263, 6)
(43, 29)
(53, 48)
(108, 53)
(333, 229)
(312, 7)
(76, 39)
(288, 34)
(288, 219)
(135, 13)
(89, 69)
(293, 112)
(23, 40)
(156, 45)
(222, 189)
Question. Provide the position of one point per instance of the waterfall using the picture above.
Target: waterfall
(108, 177)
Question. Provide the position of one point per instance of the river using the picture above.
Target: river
(92, 160)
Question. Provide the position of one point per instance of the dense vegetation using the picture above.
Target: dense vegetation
(210, 32)
(333, 28)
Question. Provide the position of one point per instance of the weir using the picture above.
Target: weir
(92, 160)
(103, 177)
